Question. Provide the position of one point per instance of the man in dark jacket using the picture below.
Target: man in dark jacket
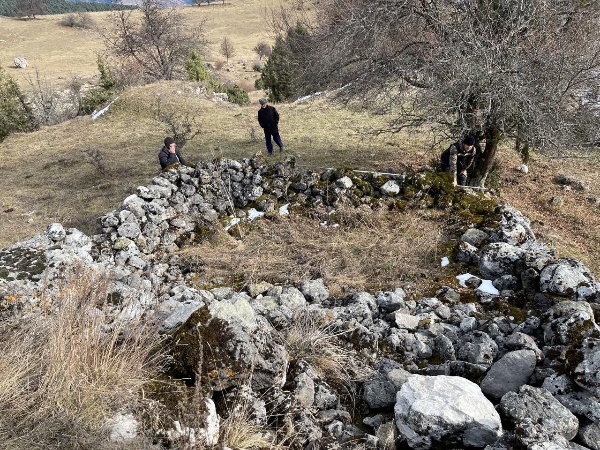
(268, 118)
(458, 158)
(169, 154)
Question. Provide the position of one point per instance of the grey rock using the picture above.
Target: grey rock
(315, 290)
(390, 188)
(406, 321)
(474, 237)
(587, 372)
(398, 377)
(344, 183)
(325, 396)
(123, 428)
(569, 278)
(509, 373)
(566, 320)
(589, 434)
(539, 407)
(387, 434)
(477, 348)
(20, 62)
(56, 232)
(498, 259)
(129, 230)
(179, 315)
(467, 253)
(520, 341)
(390, 301)
(255, 289)
(304, 392)
(379, 394)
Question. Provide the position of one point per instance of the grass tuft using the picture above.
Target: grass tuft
(314, 340)
(75, 370)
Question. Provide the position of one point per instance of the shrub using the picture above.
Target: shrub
(317, 342)
(281, 73)
(235, 94)
(219, 64)
(257, 66)
(259, 84)
(247, 86)
(262, 49)
(16, 114)
(78, 20)
(91, 100)
(195, 67)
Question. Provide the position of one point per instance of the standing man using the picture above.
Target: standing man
(458, 158)
(268, 118)
(169, 154)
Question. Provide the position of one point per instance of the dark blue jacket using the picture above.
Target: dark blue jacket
(268, 118)
(166, 158)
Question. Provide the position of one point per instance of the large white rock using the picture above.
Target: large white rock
(445, 410)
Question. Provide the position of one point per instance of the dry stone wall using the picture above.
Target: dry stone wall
(445, 371)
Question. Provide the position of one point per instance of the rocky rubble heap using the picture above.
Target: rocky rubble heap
(458, 370)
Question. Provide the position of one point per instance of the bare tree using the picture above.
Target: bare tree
(497, 69)
(50, 106)
(182, 126)
(160, 43)
(227, 49)
(30, 8)
(263, 50)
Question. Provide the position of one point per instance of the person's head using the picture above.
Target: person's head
(169, 141)
(263, 102)
(468, 143)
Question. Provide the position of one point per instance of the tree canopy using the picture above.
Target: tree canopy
(493, 68)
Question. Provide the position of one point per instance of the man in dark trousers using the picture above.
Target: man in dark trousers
(458, 158)
(268, 118)
(169, 154)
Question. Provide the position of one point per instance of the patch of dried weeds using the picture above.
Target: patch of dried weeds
(562, 217)
(356, 248)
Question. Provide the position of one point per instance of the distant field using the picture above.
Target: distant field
(60, 53)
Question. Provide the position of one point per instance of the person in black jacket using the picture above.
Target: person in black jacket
(458, 158)
(169, 154)
(268, 118)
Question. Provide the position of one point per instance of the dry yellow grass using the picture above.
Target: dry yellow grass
(371, 250)
(60, 53)
(73, 372)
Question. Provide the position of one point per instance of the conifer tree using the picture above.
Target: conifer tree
(15, 113)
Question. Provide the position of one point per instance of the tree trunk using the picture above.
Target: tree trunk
(485, 161)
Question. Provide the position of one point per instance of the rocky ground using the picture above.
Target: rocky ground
(508, 359)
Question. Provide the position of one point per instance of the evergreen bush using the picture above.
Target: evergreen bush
(235, 94)
(15, 113)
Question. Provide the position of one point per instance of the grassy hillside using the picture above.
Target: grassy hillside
(76, 171)
(60, 53)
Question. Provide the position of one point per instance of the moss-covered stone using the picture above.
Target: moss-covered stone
(196, 348)
(22, 264)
